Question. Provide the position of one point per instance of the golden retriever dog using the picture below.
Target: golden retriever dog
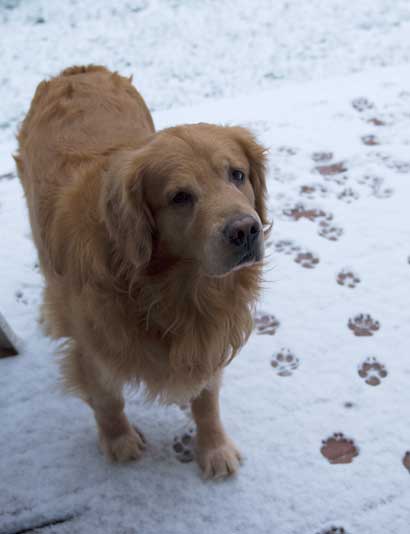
(151, 245)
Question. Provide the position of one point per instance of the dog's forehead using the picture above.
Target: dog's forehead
(208, 145)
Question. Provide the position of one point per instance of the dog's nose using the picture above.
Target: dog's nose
(242, 232)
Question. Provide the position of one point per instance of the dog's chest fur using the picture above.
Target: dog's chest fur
(181, 332)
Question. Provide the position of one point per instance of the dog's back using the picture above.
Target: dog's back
(75, 120)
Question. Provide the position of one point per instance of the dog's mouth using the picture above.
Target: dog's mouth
(234, 260)
(248, 259)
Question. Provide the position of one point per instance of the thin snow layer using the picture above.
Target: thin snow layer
(181, 52)
(278, 405)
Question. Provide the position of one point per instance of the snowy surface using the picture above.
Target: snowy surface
(182, 51)
(279, 412)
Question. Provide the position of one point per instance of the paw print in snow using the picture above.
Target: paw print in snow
(184, 446)
(339, 450)
(185, 408)
(402, 167)
(284, 363)
(376, 122)
(348, 195)
(377, 189)
(378, 192)
(363, 325)
(331, 169)
(370, 140)
(406, 461)
(361, 104)
(288, 150)
(20, 297)
(7, 176)
(308, 260)
(375, 184)
(312, 191)
(286, 246)
(300, 211)
(333, 530)
(372, 372)
(330, 232)
(322, 156)
(347, 278)
(266, 323)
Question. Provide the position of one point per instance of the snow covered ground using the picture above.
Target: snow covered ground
(330, 351)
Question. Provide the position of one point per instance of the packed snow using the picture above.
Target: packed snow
(329, 354)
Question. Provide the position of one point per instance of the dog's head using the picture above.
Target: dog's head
(194, 193)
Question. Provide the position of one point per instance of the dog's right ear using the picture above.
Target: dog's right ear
(124, 210)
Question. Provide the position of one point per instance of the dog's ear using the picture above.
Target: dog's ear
(124, 210)
(257, 157)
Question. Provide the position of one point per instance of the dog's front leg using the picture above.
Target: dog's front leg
(217, 455)
(119, 440)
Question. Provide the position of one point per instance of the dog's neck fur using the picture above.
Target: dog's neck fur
(204, 320)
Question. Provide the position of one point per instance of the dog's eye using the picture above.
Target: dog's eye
(182, 198)
(238, 176)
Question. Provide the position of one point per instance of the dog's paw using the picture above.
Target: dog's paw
(219, 462)
(123, 448)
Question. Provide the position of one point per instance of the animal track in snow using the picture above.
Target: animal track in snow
(361, 104)
(376, 122)
(313, 191)
(400, 166)
(331, 169)
(287, 246)
(370, 140)
(300, 211)
(322, 156)
(372, 372)
(363, 325)
(406, 461)
(265, 323)
(348, 195)
(339, 450)
(375, 183)
(20, 297)
(7, 176)
(284, 362)
(306, 259)
(382, 193)
(184, 446)
(333, 530)
(330, 232)
(287, 150)
(326, 229)
(347, 278)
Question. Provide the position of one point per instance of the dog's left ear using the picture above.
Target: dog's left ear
(257, 157)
